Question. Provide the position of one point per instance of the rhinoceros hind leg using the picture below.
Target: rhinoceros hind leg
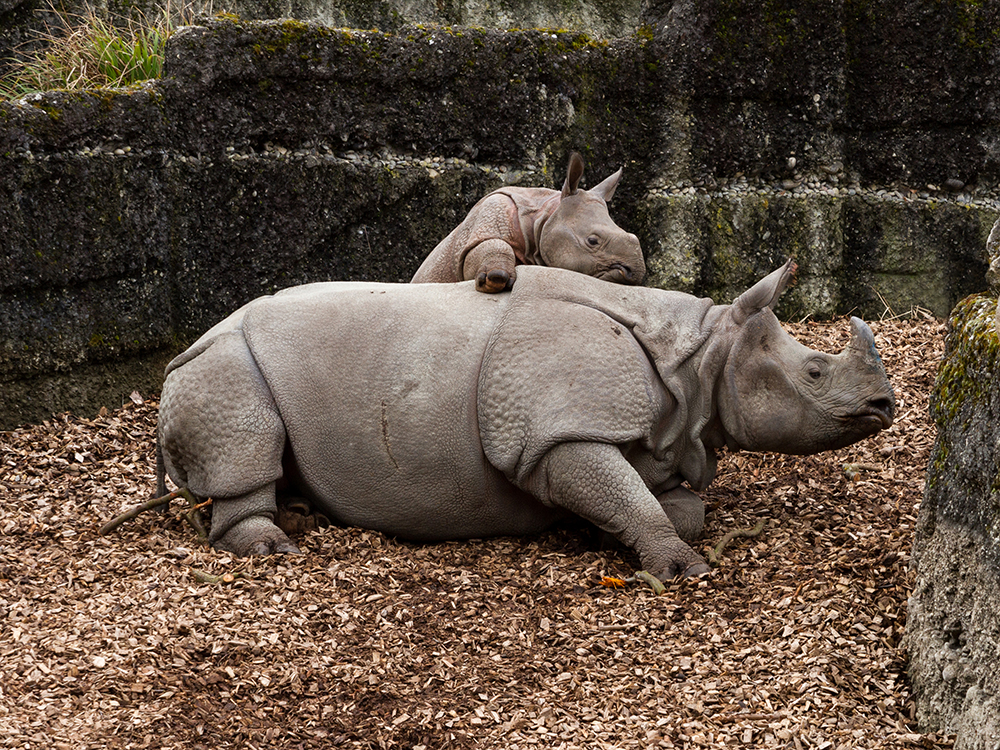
(256, 536)
(686, 512)
(245, 525)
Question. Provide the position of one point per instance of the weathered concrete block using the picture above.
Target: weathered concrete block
(864, 253)
(712, 244)
(56, 329)
(905, 254)
(467, 93)
(23, 20)
(282, 152)
(74, 219)
(247, 226)
(830, 82)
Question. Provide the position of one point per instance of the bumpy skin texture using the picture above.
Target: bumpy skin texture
(515, 226)
(434, 412)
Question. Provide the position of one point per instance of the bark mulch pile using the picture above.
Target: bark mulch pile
(370, 642)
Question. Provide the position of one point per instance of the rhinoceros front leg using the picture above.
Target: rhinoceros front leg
(492, 264)
(686, 511)
(594, 481)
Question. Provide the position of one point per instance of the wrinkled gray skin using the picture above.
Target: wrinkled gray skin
(432, 412)
(517, 226)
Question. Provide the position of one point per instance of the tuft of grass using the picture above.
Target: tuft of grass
(87, 51)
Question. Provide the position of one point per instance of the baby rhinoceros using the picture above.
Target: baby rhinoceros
(516, 226)
(431, 412)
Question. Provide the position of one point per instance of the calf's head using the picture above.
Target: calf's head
(581, 236)
(778, 395)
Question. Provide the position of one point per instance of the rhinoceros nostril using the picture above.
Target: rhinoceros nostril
(885, 408)
(882, 404)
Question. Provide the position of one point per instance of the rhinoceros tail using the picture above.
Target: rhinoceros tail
(161, 469)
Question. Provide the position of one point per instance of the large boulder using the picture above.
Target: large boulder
(953, 625)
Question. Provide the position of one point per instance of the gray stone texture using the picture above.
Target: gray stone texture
(953, 623)
(278, 152)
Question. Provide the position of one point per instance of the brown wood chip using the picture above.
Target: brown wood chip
(369, 642)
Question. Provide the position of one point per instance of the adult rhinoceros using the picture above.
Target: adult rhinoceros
(434, 412)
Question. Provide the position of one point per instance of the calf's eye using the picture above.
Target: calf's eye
(593, 240)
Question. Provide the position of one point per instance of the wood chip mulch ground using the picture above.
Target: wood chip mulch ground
(370, 642)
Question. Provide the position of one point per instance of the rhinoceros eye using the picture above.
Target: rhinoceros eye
(593, 240)
(815, 368)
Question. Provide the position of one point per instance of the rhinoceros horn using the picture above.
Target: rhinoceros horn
(862, 342)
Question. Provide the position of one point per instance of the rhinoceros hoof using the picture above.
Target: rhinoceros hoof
(493, 281)
(697, 570)
(256, 536)
(275, 548)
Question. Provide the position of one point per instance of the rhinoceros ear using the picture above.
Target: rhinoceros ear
(764, 293)
(573, 174)
(606, 189)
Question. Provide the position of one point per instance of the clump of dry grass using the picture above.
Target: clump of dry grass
(87, 51)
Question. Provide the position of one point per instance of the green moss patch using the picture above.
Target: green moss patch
(970, 359)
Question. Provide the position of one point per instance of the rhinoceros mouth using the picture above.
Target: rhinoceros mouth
(878, 415)
(618, 272)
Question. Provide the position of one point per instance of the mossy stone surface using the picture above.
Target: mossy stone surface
(857, 254)
(952, 625)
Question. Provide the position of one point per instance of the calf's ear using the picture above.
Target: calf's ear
(764, 293)
(606, 190)
(573, 174)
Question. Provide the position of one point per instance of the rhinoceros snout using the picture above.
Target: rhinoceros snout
(877, 413)
(884, 409)
(622, 273)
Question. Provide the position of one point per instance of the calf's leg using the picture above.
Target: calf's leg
(492, 264)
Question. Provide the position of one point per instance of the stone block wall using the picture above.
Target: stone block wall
(275, 153)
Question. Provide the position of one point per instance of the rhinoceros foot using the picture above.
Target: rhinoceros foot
(256, 536)
(697, 570)
(493, 281)
(686, 512)
(296, 515)
(690, 568)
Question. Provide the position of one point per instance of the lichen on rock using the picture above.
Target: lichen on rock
(993, 274)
